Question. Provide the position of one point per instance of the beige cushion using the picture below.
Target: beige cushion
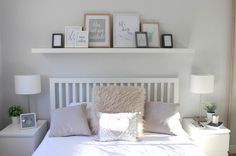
(69, 121)
(116, 99)
(117, 126)
(162, 118)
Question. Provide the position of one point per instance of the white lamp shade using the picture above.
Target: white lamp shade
(27, 84)
(202, 84)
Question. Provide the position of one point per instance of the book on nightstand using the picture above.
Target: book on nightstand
(214, 126)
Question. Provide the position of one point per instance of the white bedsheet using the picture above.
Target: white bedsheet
(150, 145)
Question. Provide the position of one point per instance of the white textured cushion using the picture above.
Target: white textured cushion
(69, 121)
(162, 118)
(117, 126)
(116, 99)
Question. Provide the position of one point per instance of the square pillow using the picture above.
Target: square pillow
(162, 118)
(117, 126)
(69, 121)
(116, 99)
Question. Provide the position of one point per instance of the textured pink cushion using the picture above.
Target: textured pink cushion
(69, 121)
(162, 118)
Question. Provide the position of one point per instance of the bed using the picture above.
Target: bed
(68, 91)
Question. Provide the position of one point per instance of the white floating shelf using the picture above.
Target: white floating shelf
(113, 50)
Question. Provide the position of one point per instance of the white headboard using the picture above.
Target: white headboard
(64, 91)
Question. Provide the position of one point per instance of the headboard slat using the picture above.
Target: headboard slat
(78, 90)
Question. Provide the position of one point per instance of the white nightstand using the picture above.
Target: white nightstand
(214, 142)
(15, 141)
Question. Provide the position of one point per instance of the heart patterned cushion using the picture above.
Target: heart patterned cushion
(117, 126)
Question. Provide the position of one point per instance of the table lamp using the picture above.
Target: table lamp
(27, 85)
(201, 84)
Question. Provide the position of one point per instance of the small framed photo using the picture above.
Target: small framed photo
(152, 29)
(167, 41)
(70, 35)
(141, 39)
(28, 120)
(82, 39)
(99, 29)
(57, 40)
(124, 28)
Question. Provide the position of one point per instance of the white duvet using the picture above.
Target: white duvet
(150, 145)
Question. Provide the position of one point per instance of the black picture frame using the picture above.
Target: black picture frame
(57, 40)
(167, 41)
(141, 39)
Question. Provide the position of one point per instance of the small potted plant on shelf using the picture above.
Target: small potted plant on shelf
(14, 112)
(210, 108)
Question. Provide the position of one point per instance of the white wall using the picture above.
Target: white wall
(203, 25)
(1, 113)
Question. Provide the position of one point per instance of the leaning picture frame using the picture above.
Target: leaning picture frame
(124, 27)
(28, 120)
(152, 29)
(70, 36)
(98, 26)
(141, 39)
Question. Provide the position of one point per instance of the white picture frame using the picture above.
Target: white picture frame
(99, 28)
(28, 120)
(124, 28)
(153, 33)
(81, 39)
(70, 35)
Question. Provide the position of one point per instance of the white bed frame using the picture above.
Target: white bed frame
(66, 91)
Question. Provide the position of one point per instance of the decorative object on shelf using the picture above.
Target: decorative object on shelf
(141, 39)
(153, 33)
(201, 84)
(210, 108)
(167, 41)
(27, 85)
(28, 120)
(70, 35)
(82, 39)
(124, 28)
(14, 112)
(99, 28)
(57, 40)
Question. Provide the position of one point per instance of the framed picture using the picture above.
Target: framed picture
(28, 120)
(124, 28)
(57, 40)
(82, 39)
(152, 29)
(70, 35)
(99, 29)
(167, 41)
(141, 39)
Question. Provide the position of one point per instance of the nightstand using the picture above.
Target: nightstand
(15, 141)
(214, 142)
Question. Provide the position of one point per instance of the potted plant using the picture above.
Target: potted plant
(14, 112)
(210, 108)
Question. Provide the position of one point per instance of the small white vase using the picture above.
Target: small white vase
(209, 117)
(15, 120)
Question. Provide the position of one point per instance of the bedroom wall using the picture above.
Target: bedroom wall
(1, 107)
(203, 25)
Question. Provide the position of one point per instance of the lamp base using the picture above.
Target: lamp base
(200, 119)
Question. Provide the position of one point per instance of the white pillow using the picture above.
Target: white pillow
(69, 121)
(117, 126)
(162, 118)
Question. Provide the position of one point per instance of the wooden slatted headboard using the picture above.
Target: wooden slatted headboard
(64, 91)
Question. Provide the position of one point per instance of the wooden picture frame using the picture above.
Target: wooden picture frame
(167, 41)
(57, 40)
(70, 36)
(28, 120)
(99, 28)
(124, 28)
(141, 39)
(152, 29)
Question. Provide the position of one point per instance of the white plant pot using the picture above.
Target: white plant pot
(209, 116)
(15, 120)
